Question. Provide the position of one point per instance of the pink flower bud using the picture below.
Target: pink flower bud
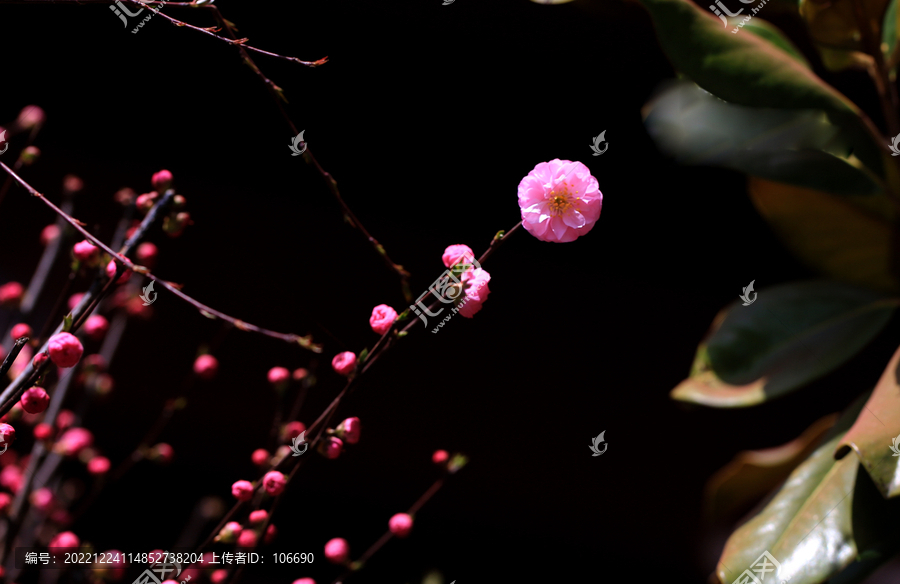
(72, 184)
(7, 433)
(560, 201)
(331, 447)
(42, 499)
(39, 360)
(95, 327)
(218, 576)
(304, 581)
(162, 181)
(98, 465)
(440, 456)
(349, 430)
(146, 254)
(74, 300)
(20, 330)
(49, 233)
(291, 430)
(242, 490)
(65, 419)
(383, 316)
(259, 516)
(124, 196)
(260, 456)
(271, 534)
(35, 400)
(337, 550)
(400, 524)
(11, 478)
(85, 251)
(11, 293)
(65, 350)
(206, 367)
(30, 116)
(30, 155)
(247, 539)
(65, 539)
(5, 501)
(43, 431)
(162, 453)
(146, 201)
(300, 374)
(230, 532)
(344, 363)
(274, 483)
(111, 272)
(278, 376)
(74, 440)
(457, 253)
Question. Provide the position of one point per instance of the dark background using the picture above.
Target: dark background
(428, 116)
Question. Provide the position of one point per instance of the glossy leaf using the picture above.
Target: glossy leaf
(771, 33)
(799, 147)
(889, 28)
(790, 335)
(847, 238)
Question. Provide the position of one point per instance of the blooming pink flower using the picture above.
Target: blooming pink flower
(258, 516)
(98, 465)
(457, 253)
(65, 539)
(260, 456)
(111, 272)
(242, 490)
(49, 233)
(74, 440)
(440, 456)
(11, 293)
(20, 330)
(42, 431)
(95, 327)
(35, 400)
(476, 292)
(344, 363)
(383, 316)
(274, 482)
(146, 253)
(206, 366)
(560, 201)
(349, 430)
(42, 499)
(331, 447)
(400, 524)
(247, 539)
(85, 251)
(337, 550)
(65, 350)
(5, 501)
(278, 375)
(291, 430)
(162, 180)
(271, 533)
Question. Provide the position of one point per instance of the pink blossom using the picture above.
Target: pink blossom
(274, 482)
(11, 293)
(74, 440)
(291, 430)
(85, 251)
(259, 516)
(74, 300)
(230, 532)
(349, 430)
(300, 374)
(247, 539)
(206, 366)
(476, 292)
(400, 524)
(162, 180)
(98, 465)
(145, 201)
(457, 253)
(39, 360)
(95, 327)
(11, 478)
(5, 501)
(35, 400)
(331, 447)
(20, 330)
(278, 375)
(7, 433)
(439, 456)
(111, 272)
(383, 316)
(65, 539)
(42, 499)
(146, 253)
(560, 201)
(31, 116)
(65, 350)
(218, 576)
(49, 233)
(344, 363)
(337, 550)
(260, 456)
(242, 490)
(304, 581)
(43, 431)
(65, 419)
(271, 533)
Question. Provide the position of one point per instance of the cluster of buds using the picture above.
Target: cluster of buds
(347, 432)
(177, 220)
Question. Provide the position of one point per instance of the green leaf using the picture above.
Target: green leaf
(889, 28)
(67, 323)
(748, 70)
(773, 34)
(789, 336)
(797, 147)
(362, 356)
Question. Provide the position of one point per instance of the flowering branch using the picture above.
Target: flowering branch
(207, 311)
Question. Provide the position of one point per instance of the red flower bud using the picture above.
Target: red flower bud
(206, 367)
(242, 490)
(65, 350)
(49, 233)
(43, 431)
(274, 482)
(247, 539)
(349, 430)
(337, 550)
(260, 456)
(98, 465)
(400, 524)
(85, 251)
(20, 330)
(331, 447)
(95, 327)
(35, 400)
(66, 539)
(11, 293)
(162, 180)
(259, 516)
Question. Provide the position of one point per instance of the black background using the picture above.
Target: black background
(428, 116)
